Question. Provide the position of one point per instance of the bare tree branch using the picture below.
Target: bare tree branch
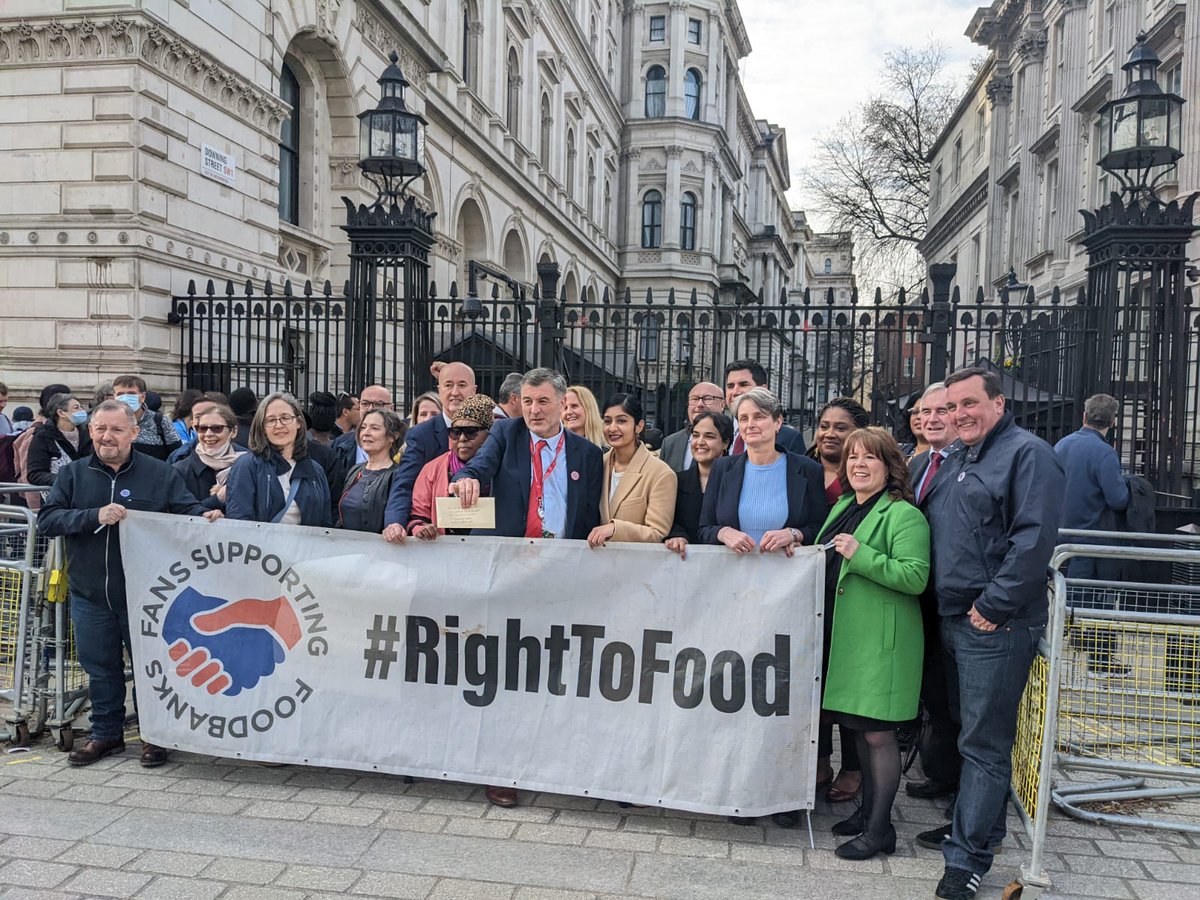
(871, 175)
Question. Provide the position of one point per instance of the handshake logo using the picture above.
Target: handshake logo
(227, 646)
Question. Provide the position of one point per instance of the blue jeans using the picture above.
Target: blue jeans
(986, 675)
(100, 634)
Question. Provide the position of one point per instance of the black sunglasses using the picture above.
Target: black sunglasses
(470, 432)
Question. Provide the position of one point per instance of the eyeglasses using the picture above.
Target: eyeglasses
(470, 432)
(276, 421)
(704, 398)
(374, 404)
(215, 429)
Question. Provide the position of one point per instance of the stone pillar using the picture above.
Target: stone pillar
(531, 99)
(731, 100)
(1189, 166)
(999, 92)
(633, 210)
(710, 112)
(726, 226)
(706, 219)
(635, 102)
(671, 197)
(1031, 52)
(677, 36)
(1074, 131)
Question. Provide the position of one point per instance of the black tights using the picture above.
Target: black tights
(879, 755)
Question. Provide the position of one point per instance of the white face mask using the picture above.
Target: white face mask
(131, 400)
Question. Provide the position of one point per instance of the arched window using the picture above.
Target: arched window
(648, 338)
(687, 221)
(544, 141)
(512, 104)
(591, 188)
(594, 36)
(570, 163)
(828, 266)
(656, 92)
(289, 149)
(607, 223)
(652, 220)
(472, 32)
(691, 94)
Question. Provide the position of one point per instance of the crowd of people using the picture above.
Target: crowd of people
(935, 554)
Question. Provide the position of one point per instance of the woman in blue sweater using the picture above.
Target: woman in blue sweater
(276, 481)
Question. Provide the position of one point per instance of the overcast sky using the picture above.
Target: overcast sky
(814, 60)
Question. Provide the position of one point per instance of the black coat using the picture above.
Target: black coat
(689, 497)
(49, 451)
(375, 497)
(807, 505)
(73, 509)
(199, 478)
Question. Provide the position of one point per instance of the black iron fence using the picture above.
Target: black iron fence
(882, 351)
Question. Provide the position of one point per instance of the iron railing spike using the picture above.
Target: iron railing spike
(979, 298)
(671, 297)
(454, 290)
(879, 296)
(191, 288)
(649, 296)
(694, 299)
(327, 289)
(287, 287)
(210, 289)
(495, 290)
(954, 296)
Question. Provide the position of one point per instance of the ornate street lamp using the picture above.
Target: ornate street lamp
(390, 322)
(391, 138)
(1140, 131)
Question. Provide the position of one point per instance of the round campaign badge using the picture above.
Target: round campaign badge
(574, 476)
(125, 493)
(962, 475)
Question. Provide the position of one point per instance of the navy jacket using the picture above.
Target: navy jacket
(689, 498)
(427, 441)
(73, 510)
(807, 506)
(504, 461)
(253, 492)
(1095, 485)
(198, 477)
(993, 521)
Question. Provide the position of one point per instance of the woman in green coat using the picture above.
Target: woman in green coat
(877, 566)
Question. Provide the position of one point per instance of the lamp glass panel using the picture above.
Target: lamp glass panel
(406, 139)
(420, 155)
(1174, 114)
(381, 135)
(1154, 122)
(1105, 133)
(1124, 126)
(364, 137)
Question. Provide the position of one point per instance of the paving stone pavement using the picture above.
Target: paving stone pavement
(205, 828)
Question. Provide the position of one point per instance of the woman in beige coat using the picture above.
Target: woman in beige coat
(637, 502)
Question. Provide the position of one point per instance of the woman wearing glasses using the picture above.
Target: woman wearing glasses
(276, 481)
(468, 431)
(365, 494)
(206, 469)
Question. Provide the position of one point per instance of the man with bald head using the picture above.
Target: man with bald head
(677, 448)
(430, 439)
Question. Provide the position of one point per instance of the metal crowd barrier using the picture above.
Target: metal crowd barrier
(40, 676)
(1114, 689)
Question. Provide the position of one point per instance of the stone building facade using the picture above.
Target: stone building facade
(144, 143)
(1019, 157)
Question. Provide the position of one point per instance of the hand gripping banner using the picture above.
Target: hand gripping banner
(624, 673)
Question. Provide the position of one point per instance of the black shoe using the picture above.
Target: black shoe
(789, 819)
(934, 838)
(856, 824)
(867, 845)
(929, 789)
(743, 820)
(957, 884)
(153, 756)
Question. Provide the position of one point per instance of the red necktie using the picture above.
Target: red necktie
(935, 461)
(533, 520)
(739, 446)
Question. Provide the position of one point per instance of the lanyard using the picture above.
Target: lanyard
(538, 477)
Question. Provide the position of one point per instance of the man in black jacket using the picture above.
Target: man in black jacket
(89, 499)
(993, 526)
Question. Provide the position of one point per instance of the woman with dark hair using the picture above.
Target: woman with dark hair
(62, 439)
(637, 500)
(876, 568)
(364, 496)
(836, 421)
(181, 415)
(469, 430)
(276, 481)
(206, 468)
(712, 435)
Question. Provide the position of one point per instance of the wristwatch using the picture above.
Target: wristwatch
(797, 537)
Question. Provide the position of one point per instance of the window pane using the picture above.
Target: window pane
(691, 91)
(656, 93)
(652, 220)
(658, 28)
(687, 222)
(289, 149)
(693, 31)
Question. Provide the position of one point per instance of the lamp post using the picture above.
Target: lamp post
(1137, 308)
(390, 240)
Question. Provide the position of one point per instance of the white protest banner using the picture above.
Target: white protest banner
(623, 672)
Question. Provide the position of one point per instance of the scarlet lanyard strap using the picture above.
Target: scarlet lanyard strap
(539, 479)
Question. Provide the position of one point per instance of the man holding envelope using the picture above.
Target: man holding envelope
(545, 480)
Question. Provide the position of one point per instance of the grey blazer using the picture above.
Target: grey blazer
(674, 449)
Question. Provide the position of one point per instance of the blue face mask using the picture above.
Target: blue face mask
(131, 400)
(79, 417)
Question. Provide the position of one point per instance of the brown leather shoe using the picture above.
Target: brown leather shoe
(153, 756)
(95, 750)
(501, 796)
